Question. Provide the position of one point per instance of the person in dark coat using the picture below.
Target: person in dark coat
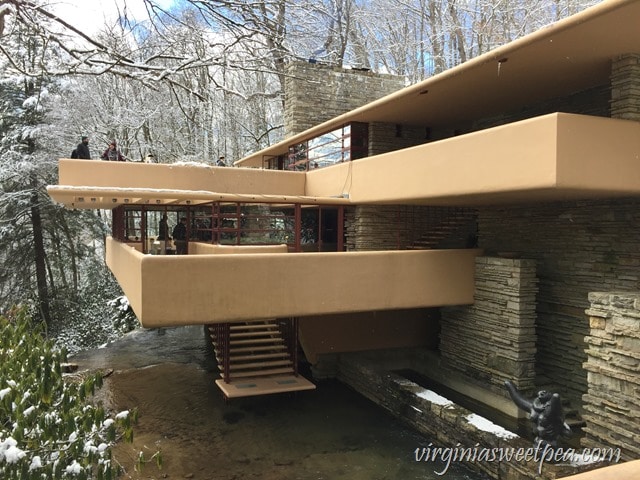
(163, 228)
(112, 153)
(82, 150)
(180, 236)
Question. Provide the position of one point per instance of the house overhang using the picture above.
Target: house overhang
(554, 157)
(548, 158)
(110, 197)
(343, 282)
(568, 56)
(87, 184)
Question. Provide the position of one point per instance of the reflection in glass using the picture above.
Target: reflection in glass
(341, 145)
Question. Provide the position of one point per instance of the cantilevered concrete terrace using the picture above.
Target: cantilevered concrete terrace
(553, 157)
(572, 55)
(223, 284)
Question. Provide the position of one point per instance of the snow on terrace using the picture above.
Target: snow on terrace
(481, 423)
(433, 397)
(486, 425)
(203, 195)
(200, 195)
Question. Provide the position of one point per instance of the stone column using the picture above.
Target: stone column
(315, 93)
(612, 401)
(494, 339)
(625, 87)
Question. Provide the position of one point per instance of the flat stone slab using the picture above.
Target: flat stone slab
(249, 387)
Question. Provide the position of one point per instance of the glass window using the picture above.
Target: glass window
(307, 228)
(349, 142)
(254, 224)
(133, 225)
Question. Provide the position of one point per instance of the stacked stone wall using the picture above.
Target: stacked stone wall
(446, 424)
(315, 93)
(494, 339)
(594, 101)
(388, 137)
(579, 247)
(625, 87)
(612, 401)
(384, 227)
(397, 227)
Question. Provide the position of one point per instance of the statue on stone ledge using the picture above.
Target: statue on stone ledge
(545, 411)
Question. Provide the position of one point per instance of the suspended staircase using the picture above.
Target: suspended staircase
(257, 358)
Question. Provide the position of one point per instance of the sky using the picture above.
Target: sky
(90, 15)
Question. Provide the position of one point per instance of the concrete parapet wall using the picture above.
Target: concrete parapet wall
(201, 248)
(612, 401)
(494, 339)
(384, 280)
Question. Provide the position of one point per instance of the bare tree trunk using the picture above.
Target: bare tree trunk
(40, 254)
(72, 252)
(360, 52)
(457, 33)
(436, 32)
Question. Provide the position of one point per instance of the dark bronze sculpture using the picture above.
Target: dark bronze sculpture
(545, 411)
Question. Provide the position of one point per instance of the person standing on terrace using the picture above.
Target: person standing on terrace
(163, 228)
(112, 153)
(82, 150)
(180, 236)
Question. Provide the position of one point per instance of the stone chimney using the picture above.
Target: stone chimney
(315, 93)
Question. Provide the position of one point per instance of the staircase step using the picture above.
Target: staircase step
(256, 352)
(249, 329)
(248, 335)
(245, 354)
(251, 341)
(264, 348)
(256, 341)
(264, 385)
(257, 365)
(257, 356)
(253, 326)
(261, 373)
(263, 352)
(265, 333)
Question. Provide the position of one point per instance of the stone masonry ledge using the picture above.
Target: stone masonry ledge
(446, 424)
(603, 303)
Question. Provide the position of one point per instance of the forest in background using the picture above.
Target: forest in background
(200, 79)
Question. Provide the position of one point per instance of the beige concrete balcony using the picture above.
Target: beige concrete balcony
(96, 184)
(552, 157)
(171, 290)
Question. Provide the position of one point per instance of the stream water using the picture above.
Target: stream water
(329, 433)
